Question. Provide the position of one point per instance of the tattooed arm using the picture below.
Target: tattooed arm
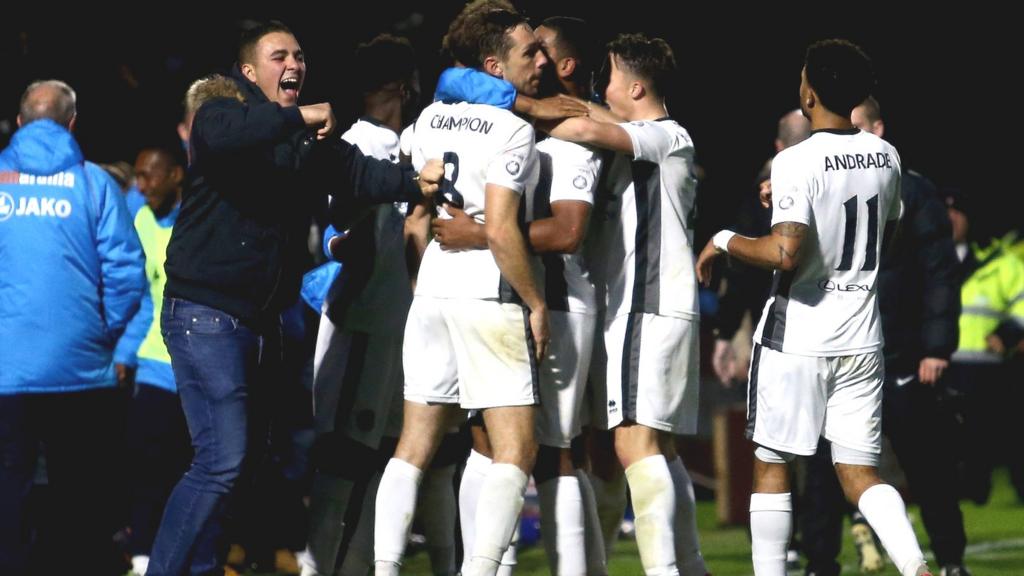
(781, 250)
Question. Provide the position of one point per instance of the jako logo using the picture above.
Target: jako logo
(6, 206)
(33, 206)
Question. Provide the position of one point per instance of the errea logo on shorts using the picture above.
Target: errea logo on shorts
(33, 206)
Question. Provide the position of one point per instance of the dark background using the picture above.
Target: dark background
(942, 77)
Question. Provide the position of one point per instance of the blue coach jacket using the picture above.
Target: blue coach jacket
(71, 267)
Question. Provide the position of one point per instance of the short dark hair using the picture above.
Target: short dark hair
(649, 58)
(574, 39)
(481, 30)
(384, 60)
(872, 109)
(840, 74)
(251, 35)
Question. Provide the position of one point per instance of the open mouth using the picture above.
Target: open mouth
(290, 86)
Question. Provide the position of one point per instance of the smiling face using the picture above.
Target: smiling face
(278, 68)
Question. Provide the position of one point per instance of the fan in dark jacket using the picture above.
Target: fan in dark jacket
(257, 169)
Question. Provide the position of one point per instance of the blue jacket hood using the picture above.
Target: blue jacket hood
(43, 147)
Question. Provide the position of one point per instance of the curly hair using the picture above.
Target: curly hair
(840, 74)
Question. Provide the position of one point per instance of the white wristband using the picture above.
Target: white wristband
(721, 240)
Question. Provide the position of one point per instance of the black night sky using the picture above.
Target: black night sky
(942, 77)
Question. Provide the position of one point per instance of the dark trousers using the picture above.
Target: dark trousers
(159, 451)
(223, 369)
(920, 425)
(81, 436)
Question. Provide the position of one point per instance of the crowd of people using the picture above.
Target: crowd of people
(285, 334)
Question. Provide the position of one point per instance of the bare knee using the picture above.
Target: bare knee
(856, 479)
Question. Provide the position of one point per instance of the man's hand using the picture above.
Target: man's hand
(539, 329)
(706, 261)
(460, 232)
(430, 177)
(319, 116)
(765, 193)
(557, 107)
(723, 361)
(995, 343)
(930, 370)
(125, 375)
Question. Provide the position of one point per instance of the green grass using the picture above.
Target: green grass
(995, 535)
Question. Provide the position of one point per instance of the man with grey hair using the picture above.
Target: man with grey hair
(73, 276)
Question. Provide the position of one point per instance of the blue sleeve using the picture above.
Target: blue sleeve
(471, 85)
(329, 233)
(128, 346)
(121, 260)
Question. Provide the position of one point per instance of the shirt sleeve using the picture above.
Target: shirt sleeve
(574, 173)
(791, 191)
(514, 165)
(651, 142)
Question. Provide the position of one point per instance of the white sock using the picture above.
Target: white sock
(884, 510)
(359, 555)
(654, 503)
(610, 498)
(511, 556)
(771, 516)
(469, 492)
(688, 556)
(396, 505)
(436, 512)
(328, 502)
(140, 564)
(497, 514)
(561, 525)
(596, 561)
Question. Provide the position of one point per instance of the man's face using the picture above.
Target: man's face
(525, 61)
(157, 179)
(279, 68)
(617, 93)
(859, 118)
(548, 42)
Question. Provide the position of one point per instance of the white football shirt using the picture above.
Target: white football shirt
(480, 145)
(844, 185)
(640, 250)
(568, 171)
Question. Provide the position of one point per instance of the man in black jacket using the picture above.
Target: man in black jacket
(919, 298)
(234, 262)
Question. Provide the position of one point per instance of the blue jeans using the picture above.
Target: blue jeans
(221, 367)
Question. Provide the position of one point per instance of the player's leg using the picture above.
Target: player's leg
(853, 425)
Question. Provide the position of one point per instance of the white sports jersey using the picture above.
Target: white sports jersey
(480, 145)
(381, 305)
(641, 246)
(568, 171)
(845, 186)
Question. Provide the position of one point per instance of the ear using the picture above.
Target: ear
(19, 120)
(177, 175)
(878, 128)
(249, 71)
(811, 100)
(567, 67)
(71, 124)
(493, 67)
(637, 90)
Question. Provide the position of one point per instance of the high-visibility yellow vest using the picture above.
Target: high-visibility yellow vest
(154, 239)
(993, 294)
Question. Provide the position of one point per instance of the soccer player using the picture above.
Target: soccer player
(641, 259)
(565, 194)
(478, 322)
(817, 362)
